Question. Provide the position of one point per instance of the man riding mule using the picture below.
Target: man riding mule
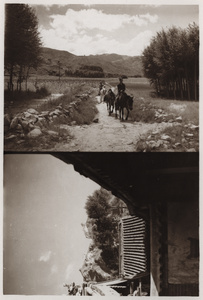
(109, 98)
(123, 101)
(102, 94)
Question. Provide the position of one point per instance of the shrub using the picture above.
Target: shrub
(42, 92)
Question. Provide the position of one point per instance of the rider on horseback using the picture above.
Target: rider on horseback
(121, 90)
(121, 86)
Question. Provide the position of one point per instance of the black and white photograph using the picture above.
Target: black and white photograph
(100, 149)
(101, 77)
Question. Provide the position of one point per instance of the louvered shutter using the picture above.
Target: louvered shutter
(133, 249)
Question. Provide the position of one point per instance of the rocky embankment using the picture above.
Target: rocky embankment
(93, 268)
(33, 124)
(175, 136)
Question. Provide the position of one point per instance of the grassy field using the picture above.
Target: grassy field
(138, 87)
(144, 106)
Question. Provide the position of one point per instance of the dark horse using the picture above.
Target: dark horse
(123, 101)
(109, 98)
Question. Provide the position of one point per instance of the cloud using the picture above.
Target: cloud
(73, 21)
(150, 18)
(90, 31)
(45, 256)
(69, 271)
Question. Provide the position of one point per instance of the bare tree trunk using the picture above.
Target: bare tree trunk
(11, 79)
(174, 90)
(195, 78)
(181, 86)
(26, 77)
(187, 83)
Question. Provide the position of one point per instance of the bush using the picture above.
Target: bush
(42, 92)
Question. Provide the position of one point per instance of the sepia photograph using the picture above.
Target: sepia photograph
(100, 149)
(101, 224)
(101, 77)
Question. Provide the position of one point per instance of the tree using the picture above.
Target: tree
(171, 62)
(105, 211)
(97, 204)
(22, 42)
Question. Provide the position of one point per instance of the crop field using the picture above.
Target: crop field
(140, 88)
(54, 85)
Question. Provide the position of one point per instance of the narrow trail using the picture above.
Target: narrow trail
(109, 134)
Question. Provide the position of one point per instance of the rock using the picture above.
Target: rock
(177, 145)
(10, 137)
(19, 127)
(183, 141)
(57, 112)
(166, 137)
(159, 143)
(179, 119)
(44, 113)
(39, 123)
(7, 120)
(31, 119)
(25, 125)
(66, 112)
(32, 111)
(194, 127)
(34, 133)
(177, 124)
(191, 150)
(64, 127)
(14, 123)
(165, 146)
(52, 133)
(95, 120)
(20, 142)
(189, 134)
(154, 132)
(73, 123)
(27, 114)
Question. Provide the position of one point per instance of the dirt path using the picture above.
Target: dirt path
(109, 134)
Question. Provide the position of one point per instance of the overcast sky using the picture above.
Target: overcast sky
(119, 28)
(44, 244)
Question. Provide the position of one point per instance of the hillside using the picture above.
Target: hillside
(106, 65)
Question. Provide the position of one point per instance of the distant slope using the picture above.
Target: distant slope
(112, 64)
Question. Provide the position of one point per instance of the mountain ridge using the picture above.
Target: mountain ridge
(67, 63)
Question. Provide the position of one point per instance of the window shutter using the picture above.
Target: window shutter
(133, 249)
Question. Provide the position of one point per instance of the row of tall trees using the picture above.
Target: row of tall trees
(105, 212)
(171, 62)
(22, 42)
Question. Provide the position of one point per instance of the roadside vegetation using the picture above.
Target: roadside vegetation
(104, 212)
(171, 62)
(77, 106)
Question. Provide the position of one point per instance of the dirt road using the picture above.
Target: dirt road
(109, 134)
